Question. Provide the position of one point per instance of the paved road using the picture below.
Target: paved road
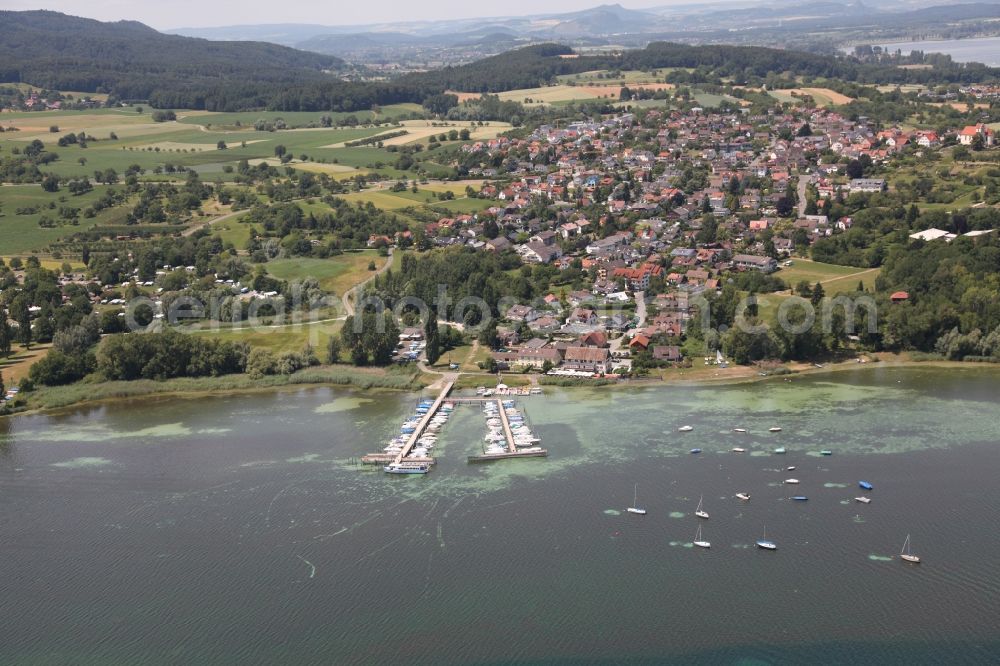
(640, 313)
(803, 181)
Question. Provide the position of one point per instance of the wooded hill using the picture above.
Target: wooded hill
(133, 61)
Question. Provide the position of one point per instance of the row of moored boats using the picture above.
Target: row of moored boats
(496, 439)
(415, 461)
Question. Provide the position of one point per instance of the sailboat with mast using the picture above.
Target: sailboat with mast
(635, 508)
(700, 542)
(701, 513)
(905, 553)
(765, 544)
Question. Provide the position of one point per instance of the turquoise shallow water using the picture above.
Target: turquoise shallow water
(235, 530)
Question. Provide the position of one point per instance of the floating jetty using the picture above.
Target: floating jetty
(506, 424)
(409, 452)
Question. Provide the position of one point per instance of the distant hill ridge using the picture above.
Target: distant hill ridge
(133, 61)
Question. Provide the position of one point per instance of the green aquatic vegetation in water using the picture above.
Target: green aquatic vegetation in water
(309, 457)
(99, 432)
(82, 463)
(343, 404)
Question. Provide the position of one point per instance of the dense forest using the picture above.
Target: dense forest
(132, 61)
(952, 306)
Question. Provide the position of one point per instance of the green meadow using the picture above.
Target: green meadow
(210, 143)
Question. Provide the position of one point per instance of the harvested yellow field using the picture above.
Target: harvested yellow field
(318, 167)
(827, 94)
(418, 130)
(604, 91)
(564, 93)
(546, 95)
(962, 106)
(822, 96)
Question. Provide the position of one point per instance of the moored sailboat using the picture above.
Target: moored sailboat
(698, 541)
(635, 508)
(765, 544)
(701, 513)
(905, 553)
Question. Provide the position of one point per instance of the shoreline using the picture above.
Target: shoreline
(365, 380)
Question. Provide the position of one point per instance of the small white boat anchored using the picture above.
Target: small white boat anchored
(698, 541)
(905, 553)
(790, 468)
(774, 429)
(701, 513)
(635, 508)
(738, 449)
(686, 428)
(745, 497)
(791, 481)
(863, 500)
(741, 430)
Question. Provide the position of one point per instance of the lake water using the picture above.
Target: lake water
(235, 530)
(984, 49)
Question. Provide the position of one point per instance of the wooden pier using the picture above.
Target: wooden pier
(511, 446)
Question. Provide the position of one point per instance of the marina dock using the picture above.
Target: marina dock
(399, 455)
(423, 423)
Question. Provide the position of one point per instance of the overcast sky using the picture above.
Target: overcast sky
(199, 13)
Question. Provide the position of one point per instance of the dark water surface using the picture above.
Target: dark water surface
(235, 530)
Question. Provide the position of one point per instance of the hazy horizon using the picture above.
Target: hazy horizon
(192, 14)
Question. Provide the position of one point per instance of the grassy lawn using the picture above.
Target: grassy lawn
(21, 233)
(768, 304)
(335, 274)
(463, 205)
(813, 272)
(233, 231)
(16, 366)
(52, 264)
(282, 338)
(850, 282)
